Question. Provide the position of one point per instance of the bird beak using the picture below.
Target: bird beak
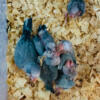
(60, 49)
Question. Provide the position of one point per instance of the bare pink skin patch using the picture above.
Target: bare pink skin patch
(34, 80)
(69, 64)
(60, 49)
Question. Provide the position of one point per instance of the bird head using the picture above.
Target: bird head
(74, 12)
(76, 8)
(64, 46)
(69, 67)
(51, 47)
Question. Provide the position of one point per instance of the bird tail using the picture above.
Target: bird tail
(42, 27)
(49, 87)
(27, 27)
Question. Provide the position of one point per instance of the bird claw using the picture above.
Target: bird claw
(58, 91)
(34, 80)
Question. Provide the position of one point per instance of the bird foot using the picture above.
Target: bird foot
(58, 91)
(34, 80)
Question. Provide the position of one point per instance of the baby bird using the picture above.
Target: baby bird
(64, 46)
(75, 8)
(46, 38)
(63, 82)
(50, 55)
(25, 55)
(68, 65)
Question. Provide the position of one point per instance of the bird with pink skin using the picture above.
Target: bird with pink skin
(64, 46)
(25, 55)
(75, 8)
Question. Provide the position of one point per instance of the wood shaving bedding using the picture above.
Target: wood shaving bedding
(83, 32)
